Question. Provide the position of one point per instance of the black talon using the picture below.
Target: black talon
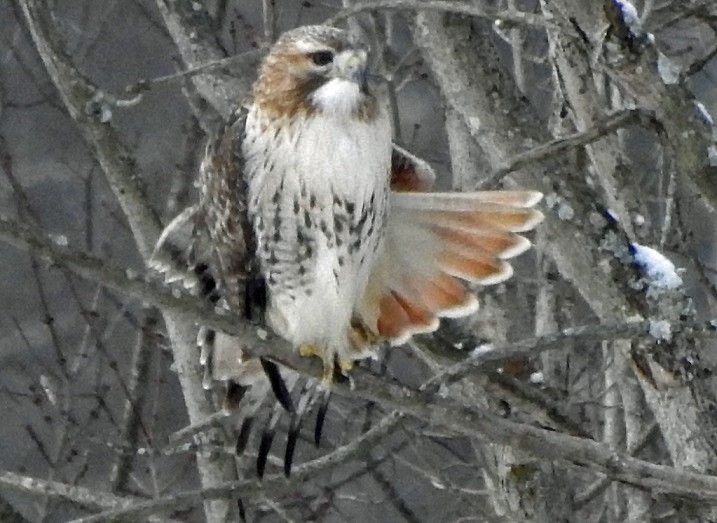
(291, 446)
(266, 440)
(306, 400)
(244, 434)
(321, 416)
(277, 384)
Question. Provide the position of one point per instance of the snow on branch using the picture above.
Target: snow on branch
(658, 270)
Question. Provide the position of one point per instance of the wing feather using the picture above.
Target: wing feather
(408, 172)
(223, 201)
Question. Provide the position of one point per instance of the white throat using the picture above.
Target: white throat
(338, 96)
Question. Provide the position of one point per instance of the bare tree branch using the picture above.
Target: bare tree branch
(249, 489)
(549, 150)
(86, 106)
(87, 497)
(512, 16)
(84, 103)
(425, 406)
(514, 413)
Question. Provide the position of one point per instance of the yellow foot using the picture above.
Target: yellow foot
(361, 337)
(311, 350)
(345, 365)
(327, 375)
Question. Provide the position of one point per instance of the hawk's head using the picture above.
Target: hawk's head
(315, 69)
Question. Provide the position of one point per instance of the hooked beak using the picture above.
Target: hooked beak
(352, 65)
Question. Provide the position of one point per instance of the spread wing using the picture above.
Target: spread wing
(433, 241)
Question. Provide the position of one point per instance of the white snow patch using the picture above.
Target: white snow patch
(669, 71)
(565, 211)
(704, 114)
(48, 386)
(561, 206)
(712, 155)
(437, 484)
(551, 200)
(443, 391)
(630, 16)
(220, 310)
(537, 377)
(105, 113)
(660, 271)
(661, 330)
(59, 239)
(482, 349)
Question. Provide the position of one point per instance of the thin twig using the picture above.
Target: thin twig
(249, 489)
(137, 392)
(422, 405)
(269, 18)
(599, 486)
(582, 335)
(516, 17)
(144, 85)
(84, 496)
(551, 149)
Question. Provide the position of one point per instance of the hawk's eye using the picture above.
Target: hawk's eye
(322, 58)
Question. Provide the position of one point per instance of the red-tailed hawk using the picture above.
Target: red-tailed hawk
(308, 204)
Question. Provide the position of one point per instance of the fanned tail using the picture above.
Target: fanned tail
(433, 241)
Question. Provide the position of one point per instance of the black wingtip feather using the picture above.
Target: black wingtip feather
(242, 510)
(244, 434)
(277, 384)
(266, 440)
(320, 417)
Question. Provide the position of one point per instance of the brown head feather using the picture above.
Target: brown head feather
(288, 77)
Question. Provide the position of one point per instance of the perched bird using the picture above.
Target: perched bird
(312, 215)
